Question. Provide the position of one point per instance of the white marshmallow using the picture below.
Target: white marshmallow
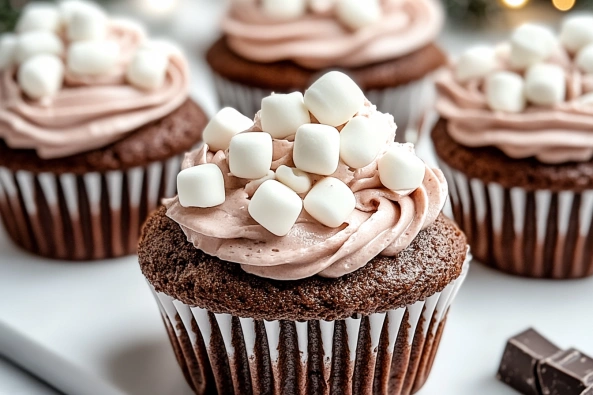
(86, 22)
(334, 98)
(281, 115)
(474, 63)
(577, 32)
(223, 127)
(39, 16)
(8, 45)
(584, 59)
(586, 99)
(148, 69)
(401, 170)
(284, 10)
(276, 207)
(92, 57)
(317, 149)
(357, 14)
(295, 179)
(330, 202)
(38, 42)
(360, 142)
(321, 6)
(201, 186)
(505, 92)
(41, 76)
(531, 44)
(545, 84)
(68, 7)
(166, 47)
(250, 155)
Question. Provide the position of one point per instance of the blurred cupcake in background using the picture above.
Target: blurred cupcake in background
(386, 46)
(515, 141)
(301, 257)
(94, 119)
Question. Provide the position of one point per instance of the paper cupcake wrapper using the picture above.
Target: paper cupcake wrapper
(83, 217)
(408, 103)
(384, 353)
(541, 233)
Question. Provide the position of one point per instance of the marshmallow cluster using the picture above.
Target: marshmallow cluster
(341, 137)
(74, 33)
(525, 70)
(354, 14)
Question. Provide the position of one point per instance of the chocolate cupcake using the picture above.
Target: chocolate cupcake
(386, 46)
(94, 119)
(515, 143)
(307, 254)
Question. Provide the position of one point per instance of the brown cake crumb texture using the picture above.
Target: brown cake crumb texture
(288, 76)
(177, 268)
(489, 164)
(156, 141)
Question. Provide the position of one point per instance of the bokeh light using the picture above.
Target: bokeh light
(515, 3)
(563, 5)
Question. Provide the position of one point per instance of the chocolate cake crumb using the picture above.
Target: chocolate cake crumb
(174, 266)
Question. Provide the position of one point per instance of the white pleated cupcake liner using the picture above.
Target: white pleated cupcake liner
(533, 233)
(408, 103)
(228, 354)
(82, 217)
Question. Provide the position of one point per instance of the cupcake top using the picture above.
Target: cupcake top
(330, 33)
(530, 97)
(314, 185)
(74, 79)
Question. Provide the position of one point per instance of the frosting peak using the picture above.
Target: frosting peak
(321, 38)
(307, 222)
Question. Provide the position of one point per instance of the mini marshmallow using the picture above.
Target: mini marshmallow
(38, 42)
(401, 170)
(148, 69)
(250, 155)
(41, 76)
(584, 59)
(295, 179)
(531, 44)
(317, 149)
(505, 92)
(357, 14)
(281, 115)
(201, 186)
(545, 84)
(8, 45)
(223, 127)
(321, 6)
(334, 98)
(360, 142)
(86, 22)
(577, 32)
(276, 207)
(92, 57)
(284, 10)
(476, 62)
(166, 47)
(39, 16)
(330, 202)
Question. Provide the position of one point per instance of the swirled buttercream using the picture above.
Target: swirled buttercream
(318, 39)
(555, 134)
(383, 222)
(89, 112)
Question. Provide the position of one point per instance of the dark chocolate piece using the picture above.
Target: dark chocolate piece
(521, 359)
(567, 373)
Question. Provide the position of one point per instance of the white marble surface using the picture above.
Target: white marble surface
(94, 329)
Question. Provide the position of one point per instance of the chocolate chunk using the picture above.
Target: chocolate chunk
(566, 373)
(521, 359)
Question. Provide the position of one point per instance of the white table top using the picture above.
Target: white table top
(94, 328)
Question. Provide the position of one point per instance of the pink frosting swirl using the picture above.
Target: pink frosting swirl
(319, 40)
(557, 134)
(89, 112)
(384, 222)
